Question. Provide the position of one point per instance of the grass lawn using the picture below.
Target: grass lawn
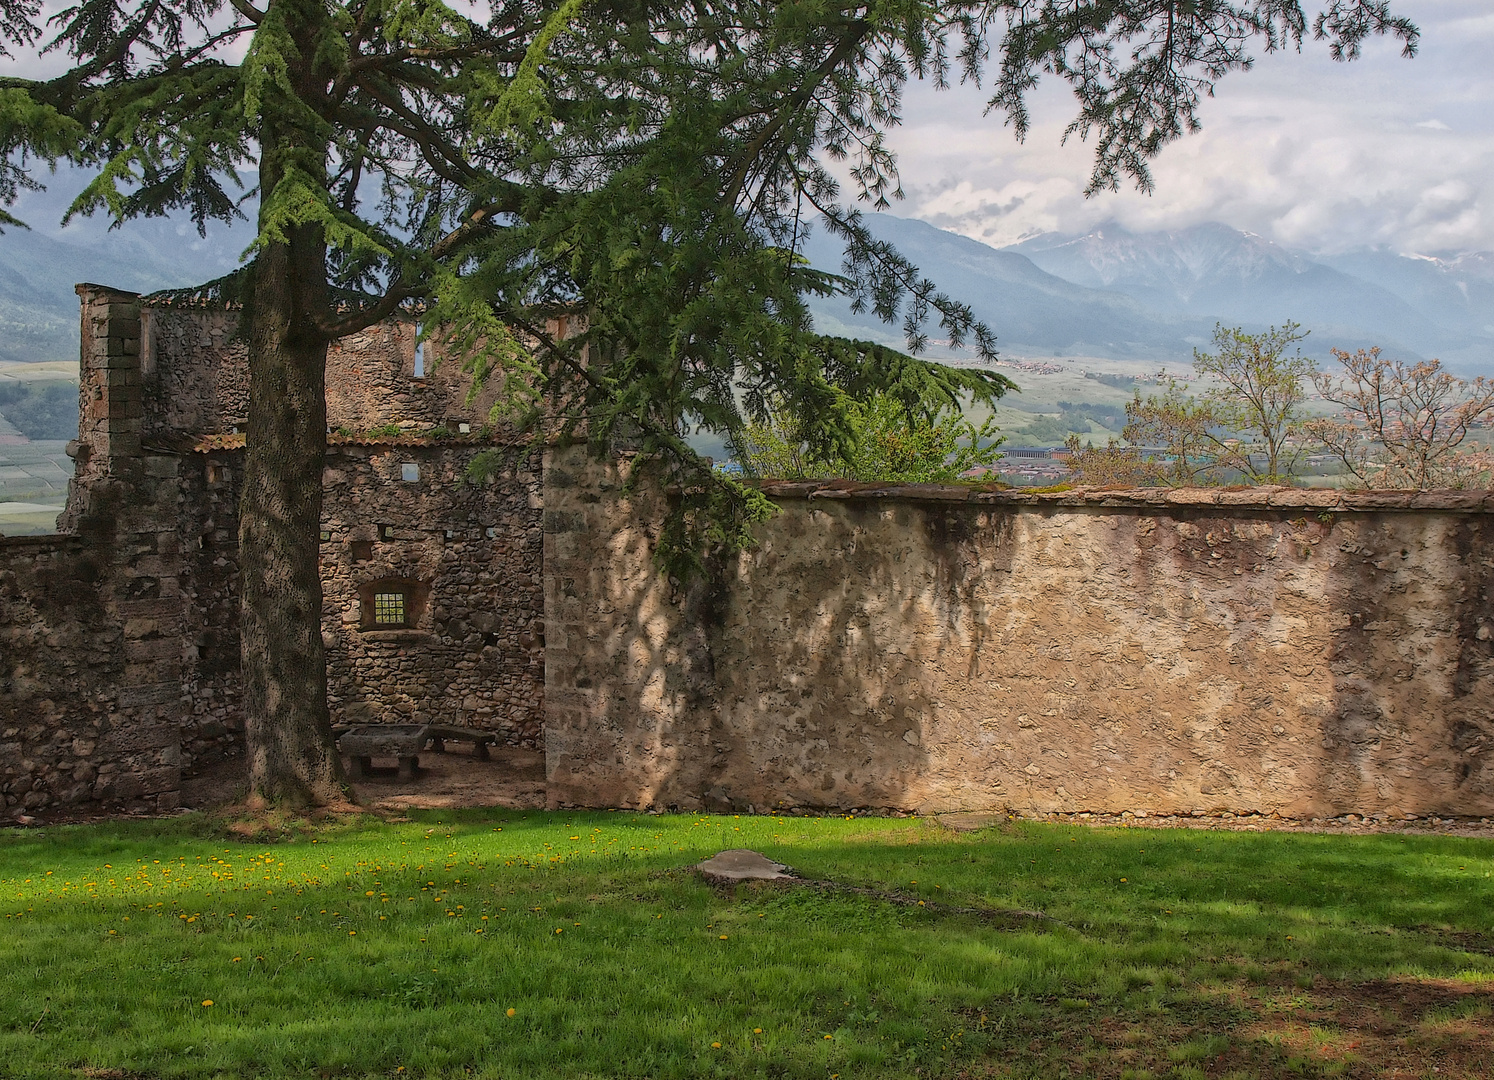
(503, 944)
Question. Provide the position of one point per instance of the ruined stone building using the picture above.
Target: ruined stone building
(1268, 650)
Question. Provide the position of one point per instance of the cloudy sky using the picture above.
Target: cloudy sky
(1313, 154)
(1310, 153)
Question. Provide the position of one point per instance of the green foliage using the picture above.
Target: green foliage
(1259, 392)
(353, 948)
(886, 443)
(1248, 425)
(41, 410)
(650, 167)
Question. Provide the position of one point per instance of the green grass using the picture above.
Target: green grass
(376, 949)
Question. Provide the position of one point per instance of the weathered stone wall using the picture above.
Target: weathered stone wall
(1270, 651)
(475, 656)
(119, 671)
(91, 676)
(196, 376)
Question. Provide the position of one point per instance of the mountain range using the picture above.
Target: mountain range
(1106, 293)
(1158, 295)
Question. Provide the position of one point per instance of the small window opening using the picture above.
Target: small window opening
(362, 550)
(464, 429)
(409, 472)
(419, 354)
(393, 604)
(147, 342)
(216, 474)
(384, 531)
(389, 609)
(326, 535)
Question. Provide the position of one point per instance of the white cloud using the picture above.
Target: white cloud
(1302, 150)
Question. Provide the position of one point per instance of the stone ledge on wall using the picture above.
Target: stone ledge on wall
(1332, 500)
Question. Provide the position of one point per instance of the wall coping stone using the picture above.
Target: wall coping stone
(1333, 500)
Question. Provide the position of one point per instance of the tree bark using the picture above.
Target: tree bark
(287, 726)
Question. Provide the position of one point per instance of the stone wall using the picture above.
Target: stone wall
(475, 656)
(1275, 651)
(119, 671)
(196, 376)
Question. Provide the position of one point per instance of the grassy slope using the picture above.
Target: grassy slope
(399, 949)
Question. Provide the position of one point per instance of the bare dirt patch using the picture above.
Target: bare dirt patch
(513, 779)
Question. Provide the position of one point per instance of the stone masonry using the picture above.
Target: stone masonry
(119, 672)
(1274, 651)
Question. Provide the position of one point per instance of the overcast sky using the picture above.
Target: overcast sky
(1313, 154)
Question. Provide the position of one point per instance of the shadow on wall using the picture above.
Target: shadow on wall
(921, 650)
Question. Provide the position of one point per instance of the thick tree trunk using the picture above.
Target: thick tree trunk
(288, 730)
(287, 726)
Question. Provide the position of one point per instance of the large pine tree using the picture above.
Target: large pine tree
(653, 163)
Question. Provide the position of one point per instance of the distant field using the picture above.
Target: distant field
(33, 487)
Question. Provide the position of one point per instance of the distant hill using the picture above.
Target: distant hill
(1150, 296)
(39, 267)
(1033, 311)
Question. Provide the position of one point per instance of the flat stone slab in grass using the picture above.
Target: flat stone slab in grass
(740, 864)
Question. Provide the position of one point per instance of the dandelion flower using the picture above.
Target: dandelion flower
(208, 1002)
(510, 1012)
(829, 1036)
(757, 1031)
(236, 959)
(723, 937)
(715, 1046)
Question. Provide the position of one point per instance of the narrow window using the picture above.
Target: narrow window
(409, 472)
(419, 354)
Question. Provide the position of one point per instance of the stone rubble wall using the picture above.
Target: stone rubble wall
(119, 667)
(196, 376)
(1265, 651)
(475, 657)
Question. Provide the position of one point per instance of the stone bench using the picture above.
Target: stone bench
(404, 742)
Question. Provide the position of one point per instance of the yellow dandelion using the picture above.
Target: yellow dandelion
(510, 1012)
(829, 1036)
(236, 959)
(352, 933)
(723, 937)
(715, 1046)
(560, 929)
(207, 1003)
(757, 1031)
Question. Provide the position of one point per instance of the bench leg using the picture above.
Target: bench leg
(482, 752)
(359, 767)
(409, 765)
(438, 744)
